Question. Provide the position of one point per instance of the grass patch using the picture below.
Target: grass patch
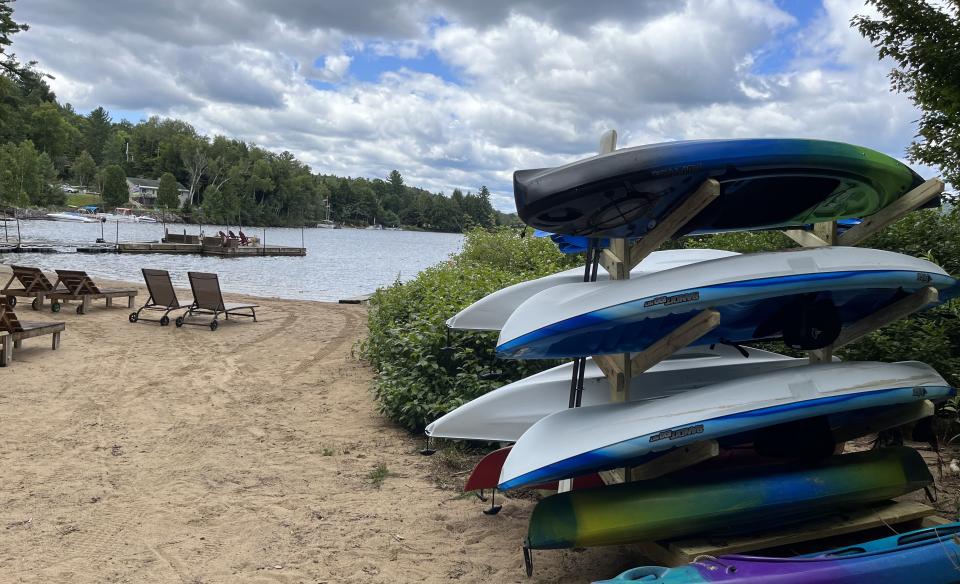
(81, 199)
(379, 474)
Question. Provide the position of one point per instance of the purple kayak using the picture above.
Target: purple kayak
(930, 555)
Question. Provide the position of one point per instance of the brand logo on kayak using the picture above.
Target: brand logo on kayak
(676, 299)
(675, 170)
(921, 277)
(919, 391)
(676, 434)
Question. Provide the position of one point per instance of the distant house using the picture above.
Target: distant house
(144, 191)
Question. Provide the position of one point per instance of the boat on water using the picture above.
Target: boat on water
(72, 217)
(327, 224)
(125, 215)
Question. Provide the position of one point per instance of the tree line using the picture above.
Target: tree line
(44, 143)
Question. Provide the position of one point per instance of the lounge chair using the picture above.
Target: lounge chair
(77, 285)
(13, 331)
(35, 285)
(163, 297)
(207, 299)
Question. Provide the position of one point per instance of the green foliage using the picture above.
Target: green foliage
(923, 38)
(83, 169)
(168, 195)
(82, 199)
(115, 193)
(422, 373)
(379, 474)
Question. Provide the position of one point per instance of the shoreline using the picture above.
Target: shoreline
(141, 453)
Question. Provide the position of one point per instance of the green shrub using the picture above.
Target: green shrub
(424, 372)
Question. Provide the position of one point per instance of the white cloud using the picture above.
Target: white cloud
(538, 81)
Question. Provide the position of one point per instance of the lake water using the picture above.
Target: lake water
(340, 263)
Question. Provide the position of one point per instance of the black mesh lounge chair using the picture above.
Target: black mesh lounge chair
(207, 299)
(163, 298)
(35, 285)
(17, 331)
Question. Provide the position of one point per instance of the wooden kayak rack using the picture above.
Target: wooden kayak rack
(623, 255)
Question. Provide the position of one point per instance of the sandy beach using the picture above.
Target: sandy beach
(137, 453)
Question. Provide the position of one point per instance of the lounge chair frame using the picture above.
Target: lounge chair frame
(77, 285)
(208, 299)
(13, 332)
(163, 297)
(35, 285)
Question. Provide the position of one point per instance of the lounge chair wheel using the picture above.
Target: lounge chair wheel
(80, 309)
(55, 307)
(164, 320)
(214, 325)
(11, 301)
(134, 317)
(179, 321)
(36, 304)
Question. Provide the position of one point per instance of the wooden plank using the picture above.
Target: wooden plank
(805, 238)
(826, 232)
(693, 329)
(610, 366)
(683, 551)
(633, 253)
(892, 212)
(612, 477)
(6, 349)
(675, 460)
(37, 329)
(892, 313)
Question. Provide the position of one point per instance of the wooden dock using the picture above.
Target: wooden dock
(196, 249)
(26, 249)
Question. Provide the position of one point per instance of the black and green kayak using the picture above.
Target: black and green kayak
(723, 501)
(764, 184)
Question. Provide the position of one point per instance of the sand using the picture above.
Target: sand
(137, 453)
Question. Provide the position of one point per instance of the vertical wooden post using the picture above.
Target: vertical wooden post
(827, 231)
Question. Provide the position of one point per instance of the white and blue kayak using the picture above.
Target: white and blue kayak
(802, 296)
(577, 441)
(504, 414)
(492, 311)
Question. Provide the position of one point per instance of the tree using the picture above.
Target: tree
(97, 134)
(923, 38)
(396, 182)
(168, 196)
(49, 131)
(114, 191)
(195, 160)
(8, 28)
(20, 181)
(83, 169)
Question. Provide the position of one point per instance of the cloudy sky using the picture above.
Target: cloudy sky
(459, 93)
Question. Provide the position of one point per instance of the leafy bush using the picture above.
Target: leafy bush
(424, 372)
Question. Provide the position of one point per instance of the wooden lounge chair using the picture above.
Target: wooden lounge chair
(35, 285)
(13, 331)
(77, 285)
(163, 297)
(207, 299)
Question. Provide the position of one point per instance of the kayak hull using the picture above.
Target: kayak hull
(576, 441)
(759, 296)
(764, 184)
(930, 555)
(723, 501)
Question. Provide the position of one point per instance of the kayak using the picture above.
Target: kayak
(492, 311)
(803, 296)
(930, 555)
(725, 501)
(764, 184)
(577, 441)
(505, 413)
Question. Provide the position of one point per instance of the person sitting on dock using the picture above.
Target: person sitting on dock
(243, 238)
